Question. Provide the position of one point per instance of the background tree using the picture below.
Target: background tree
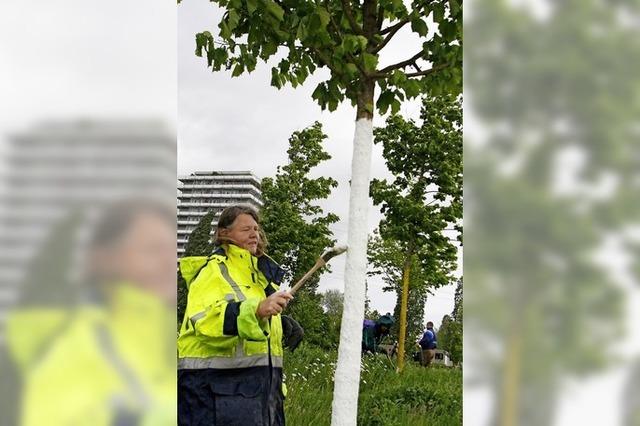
(450, 331)
(199, 244)
(333, 304)
(346, 37)
(386, 259)
(424, 200)
(297, 228)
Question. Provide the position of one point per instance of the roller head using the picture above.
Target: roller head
(333, 252)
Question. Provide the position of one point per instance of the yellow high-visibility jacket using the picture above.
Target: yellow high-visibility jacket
(220, 329)
(111, 364)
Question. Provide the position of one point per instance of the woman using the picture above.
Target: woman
(230, 343)
(107, 359)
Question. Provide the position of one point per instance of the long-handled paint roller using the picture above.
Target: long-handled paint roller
(322, 261)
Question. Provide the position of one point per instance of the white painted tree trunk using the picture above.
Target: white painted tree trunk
(347, 377)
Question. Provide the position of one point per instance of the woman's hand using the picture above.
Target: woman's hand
(273, 304)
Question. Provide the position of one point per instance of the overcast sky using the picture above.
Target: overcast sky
(243, 123)
(69, 59)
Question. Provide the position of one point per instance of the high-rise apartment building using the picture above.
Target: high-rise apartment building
(201, 192)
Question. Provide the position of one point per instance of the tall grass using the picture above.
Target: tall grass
(418, 397)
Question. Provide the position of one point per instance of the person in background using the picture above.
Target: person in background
(374, 331)
(428, 343)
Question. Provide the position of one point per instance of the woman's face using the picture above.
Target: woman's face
(145, 256)
(243, 232)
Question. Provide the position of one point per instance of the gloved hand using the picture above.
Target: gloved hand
(292, 332)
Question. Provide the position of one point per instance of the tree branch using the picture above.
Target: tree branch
(388, 38)
(332, 21)
(349, 14)
(429, 71)
(325, 60)
(380, 19)
(403, 63)
(338, 33)
(395, 27)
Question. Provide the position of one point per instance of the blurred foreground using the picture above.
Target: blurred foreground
(552, 176)
(87, 218)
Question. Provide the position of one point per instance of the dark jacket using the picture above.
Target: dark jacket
(429, 340)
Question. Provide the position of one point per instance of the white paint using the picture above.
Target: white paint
(347, 376)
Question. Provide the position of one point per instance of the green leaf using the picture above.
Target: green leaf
(352, 70)
(320, 93)
(395, 106)
(384, 100)
(454, 7)
(302, 32)
(284, 66)
(275, 78)
(269, 49)
(324, 16)
(274, 9)
(239, 69)
(438, 12)
(370, 61)
(420, 27)
(210, 57)
(232, 20)
(202, 41)
(314, 23)
(252, 5)
(398, 77)
(251, 62)
(362, 42)
(412, 88)
(225, 32)
(353, 44)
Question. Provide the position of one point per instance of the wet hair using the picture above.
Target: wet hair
(229, 216)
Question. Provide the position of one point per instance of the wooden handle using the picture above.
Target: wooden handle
(319, 264)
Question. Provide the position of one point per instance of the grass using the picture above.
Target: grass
(418, 397)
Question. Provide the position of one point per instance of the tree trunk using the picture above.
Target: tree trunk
(347, 376)
(511, 379)
(406, 271)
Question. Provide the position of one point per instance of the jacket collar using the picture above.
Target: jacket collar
(269, 268)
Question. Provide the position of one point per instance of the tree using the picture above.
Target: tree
(198, 244)
(450, 332)
(333, 304)
(386, 259)
(457, 302)
(345, 37)
(425, 198)
(450, 338)
(297, 229)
